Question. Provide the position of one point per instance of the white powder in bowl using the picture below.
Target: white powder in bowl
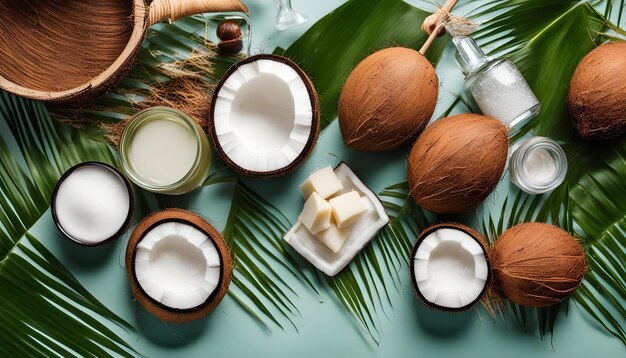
(92, 203)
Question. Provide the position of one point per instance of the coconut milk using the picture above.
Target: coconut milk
(164, 151)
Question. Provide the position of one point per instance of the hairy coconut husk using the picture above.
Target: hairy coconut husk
(457, 162)
(537, 264)
(387, 100)
(597, 93)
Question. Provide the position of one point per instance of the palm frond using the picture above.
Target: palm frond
(363, 287)
(254, 231)
(45, 310)
(547, 50)
(597, 196)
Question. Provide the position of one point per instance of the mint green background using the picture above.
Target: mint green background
(325, 328)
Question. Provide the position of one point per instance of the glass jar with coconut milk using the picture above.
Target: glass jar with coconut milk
(164, 151)
(537, 165)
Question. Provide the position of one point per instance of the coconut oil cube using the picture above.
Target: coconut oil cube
(316, 213)
(333, 237)
(324, 181)
(347, 208)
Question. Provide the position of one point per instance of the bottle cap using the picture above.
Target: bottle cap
(468, 56)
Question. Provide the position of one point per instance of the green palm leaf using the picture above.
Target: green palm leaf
(45, 310)
(254, 231)
(338, 42)
(597, 196)
(548, 49)
(363, 286)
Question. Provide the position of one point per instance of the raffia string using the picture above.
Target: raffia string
(460, 26)
(442, 20)
(431, 22)
(174, 9)
(434, 24)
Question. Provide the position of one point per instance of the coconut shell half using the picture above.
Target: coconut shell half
(157, 308)
(449, 266)
(264, 118)
(537, 264)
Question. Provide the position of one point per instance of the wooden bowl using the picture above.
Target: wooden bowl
(74, 50)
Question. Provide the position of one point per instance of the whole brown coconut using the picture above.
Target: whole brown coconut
(537, 264)
(457, 162)
(597, 93)
(387, 100)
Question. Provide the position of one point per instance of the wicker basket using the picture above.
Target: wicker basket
(74, 50)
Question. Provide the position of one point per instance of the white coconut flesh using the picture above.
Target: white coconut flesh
(263, 116)
(177, 265)
(360, 233)
(450, 268)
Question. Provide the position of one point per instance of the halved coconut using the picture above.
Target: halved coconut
(361, 232)
(178, 265)
(450, 267)
(264, 116)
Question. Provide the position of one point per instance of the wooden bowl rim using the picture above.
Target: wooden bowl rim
(140, 24)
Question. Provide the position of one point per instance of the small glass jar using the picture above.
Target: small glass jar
(164, 151)
(498, 87)
(537, 165)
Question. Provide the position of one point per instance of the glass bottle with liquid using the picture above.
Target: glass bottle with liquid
(498, 87)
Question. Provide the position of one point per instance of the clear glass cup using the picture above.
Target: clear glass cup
(537, 165)
(287, 17)
(198, 171)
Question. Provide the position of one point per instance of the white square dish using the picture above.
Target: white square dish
(362, 232)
